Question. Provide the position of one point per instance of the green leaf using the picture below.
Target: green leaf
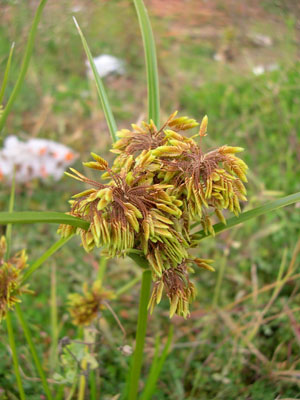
(48, 253)
(151, 61)
(156, 368)
(256, 212)
(32, 217)
(6, 72)
(25, 63)
(112, 126)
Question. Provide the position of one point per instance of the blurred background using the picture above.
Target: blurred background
(237, 62)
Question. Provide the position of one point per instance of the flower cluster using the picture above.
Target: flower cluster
(159, 184)
(36, 158)
(11, 278)
(85, 308)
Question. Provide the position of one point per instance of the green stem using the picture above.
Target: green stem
(72, 391)
(53, 249)
(8, 317)
(93, 389)
(25, 63)
(10, 209)
(82, 379)
(136, 365)
(151, 61)
(102, 268)
(53, 314)
(12, 344)
(6, 73)
(219, 281)
(81, 390)
(33, 351)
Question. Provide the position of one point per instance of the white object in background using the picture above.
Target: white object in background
(106, 65)
(261, 40)
(36, 158)
(261, 69)
(258, 70)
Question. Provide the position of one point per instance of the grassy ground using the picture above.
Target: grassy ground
(242, 340)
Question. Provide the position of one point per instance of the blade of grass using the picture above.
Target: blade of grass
(151, 61)
(254, 213)
(153, 364)
(82, 380)
(33, 351)
(10, 209)
(112, 126)
(31, 217)
(128, 286)
(221, 271)
(10, 331)
(6, 72)
(25, 63)
(93, 388)
(53, 249)
(156, 368)
(137, 359)
(102, 268)
(53, 317)
(12, 345)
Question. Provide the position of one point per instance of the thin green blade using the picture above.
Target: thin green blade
(48, 253)
(25, 63)
(112, 126)
(151, 61)
(6, 72)
(32, 217)
(156, 368)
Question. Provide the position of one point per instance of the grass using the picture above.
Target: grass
(220, 352)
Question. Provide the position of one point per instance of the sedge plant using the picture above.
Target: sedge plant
(146, 205)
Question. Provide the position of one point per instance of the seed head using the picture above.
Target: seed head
(85, 308)
(11, 279)
(159, 184)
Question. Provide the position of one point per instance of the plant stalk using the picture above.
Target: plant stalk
(136, 364)
(12, 345)
(9, 326)
(33, 351)
(53, 314)
(102, 268)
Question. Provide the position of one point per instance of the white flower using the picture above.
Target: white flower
(106, 65)
(258, 70)
(36, 158)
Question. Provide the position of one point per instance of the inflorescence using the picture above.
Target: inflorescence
(159, 184)
(11, 286)
(86, 307)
